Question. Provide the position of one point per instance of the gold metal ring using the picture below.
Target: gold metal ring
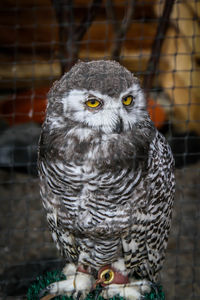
(107, 275)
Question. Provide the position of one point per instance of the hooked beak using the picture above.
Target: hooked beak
(119, 126)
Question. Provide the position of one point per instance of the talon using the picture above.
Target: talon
(47, 297)
(43, 292)
(42, 295)
(78, 295)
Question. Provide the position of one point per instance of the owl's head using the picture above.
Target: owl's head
(100, 95)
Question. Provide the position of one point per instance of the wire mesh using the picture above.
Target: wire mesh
(41, 39)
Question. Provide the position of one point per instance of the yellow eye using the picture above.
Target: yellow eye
(127, 100)
(93, 103)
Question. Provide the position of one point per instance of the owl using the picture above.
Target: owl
(106, 180)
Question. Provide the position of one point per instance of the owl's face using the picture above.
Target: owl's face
(104, 113)
(102, 96)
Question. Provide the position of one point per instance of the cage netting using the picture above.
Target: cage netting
(157, 40)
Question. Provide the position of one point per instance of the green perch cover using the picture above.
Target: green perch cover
(53, 276)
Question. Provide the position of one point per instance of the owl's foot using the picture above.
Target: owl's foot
(130, 291)
(77, 284)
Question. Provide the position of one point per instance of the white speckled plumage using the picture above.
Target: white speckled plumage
(106, 174)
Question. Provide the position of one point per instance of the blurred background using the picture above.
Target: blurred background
(159, 41)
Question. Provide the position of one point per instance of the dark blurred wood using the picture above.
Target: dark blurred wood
(30, 35)
(120, 29)
(71, 34)
(157, 45)
(28, 28)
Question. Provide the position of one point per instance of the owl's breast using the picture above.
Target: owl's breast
(96, 202)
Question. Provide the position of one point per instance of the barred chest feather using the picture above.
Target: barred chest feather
(93, 193)
(97, 201)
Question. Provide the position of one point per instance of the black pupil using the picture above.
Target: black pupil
(93, 101)
(107, 276)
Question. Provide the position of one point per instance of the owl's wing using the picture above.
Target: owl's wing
(144, 247)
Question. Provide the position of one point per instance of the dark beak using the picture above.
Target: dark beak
(119, 126)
